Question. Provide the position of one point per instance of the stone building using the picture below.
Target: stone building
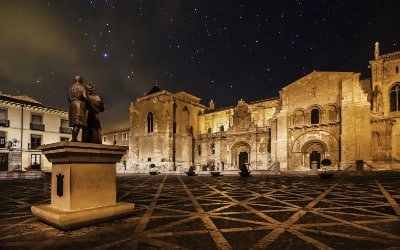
(352, 122)
(322, 115)
(163, 127)
(119, 137)
(385, 108)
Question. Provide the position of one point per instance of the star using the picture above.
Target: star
(184, 45)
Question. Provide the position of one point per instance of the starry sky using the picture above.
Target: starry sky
(223, 50)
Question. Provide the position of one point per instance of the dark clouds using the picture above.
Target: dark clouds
(36, 48)
(32, 39)
(42, 51)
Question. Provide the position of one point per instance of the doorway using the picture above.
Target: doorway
(3, 161)
(313, 151)
(315, 159)
(240, 153)
(243, 158)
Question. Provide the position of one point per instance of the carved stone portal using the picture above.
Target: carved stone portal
(241, 116)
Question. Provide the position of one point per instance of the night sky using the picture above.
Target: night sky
(220, 50)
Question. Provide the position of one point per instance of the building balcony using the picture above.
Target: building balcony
(33, 146)
(4, 123)
(65, 130)
(36, 126)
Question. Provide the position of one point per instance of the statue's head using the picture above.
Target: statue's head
(78, 79)
(91, 87)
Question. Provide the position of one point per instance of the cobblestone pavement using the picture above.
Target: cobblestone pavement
(225, 212)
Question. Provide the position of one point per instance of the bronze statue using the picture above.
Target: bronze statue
(77, 98)
(95, 105)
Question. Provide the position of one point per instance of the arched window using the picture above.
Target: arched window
(314, 116)
(395, 98)
(185, 116)
(150, 122)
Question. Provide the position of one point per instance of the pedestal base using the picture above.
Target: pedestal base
(83, 185)
(68, 220)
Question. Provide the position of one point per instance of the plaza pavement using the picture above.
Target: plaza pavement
(348, 211)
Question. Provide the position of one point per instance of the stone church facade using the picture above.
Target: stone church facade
(323, 115)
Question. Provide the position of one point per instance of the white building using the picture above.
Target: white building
(25, 124)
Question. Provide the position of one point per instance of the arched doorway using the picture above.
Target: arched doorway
(240, 153)
(243, 158)
(313, 152)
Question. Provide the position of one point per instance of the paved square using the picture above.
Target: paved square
(225, 212)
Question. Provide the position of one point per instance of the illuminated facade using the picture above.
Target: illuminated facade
(323, 115)
(25, 124)
(119, 137)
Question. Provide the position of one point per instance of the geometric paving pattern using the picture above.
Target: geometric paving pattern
(226, 212)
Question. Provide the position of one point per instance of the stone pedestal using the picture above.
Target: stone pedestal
(83, 185)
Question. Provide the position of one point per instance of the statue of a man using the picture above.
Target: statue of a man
(95, 105)
(77, 98)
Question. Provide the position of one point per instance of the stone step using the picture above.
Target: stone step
(10, 175)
